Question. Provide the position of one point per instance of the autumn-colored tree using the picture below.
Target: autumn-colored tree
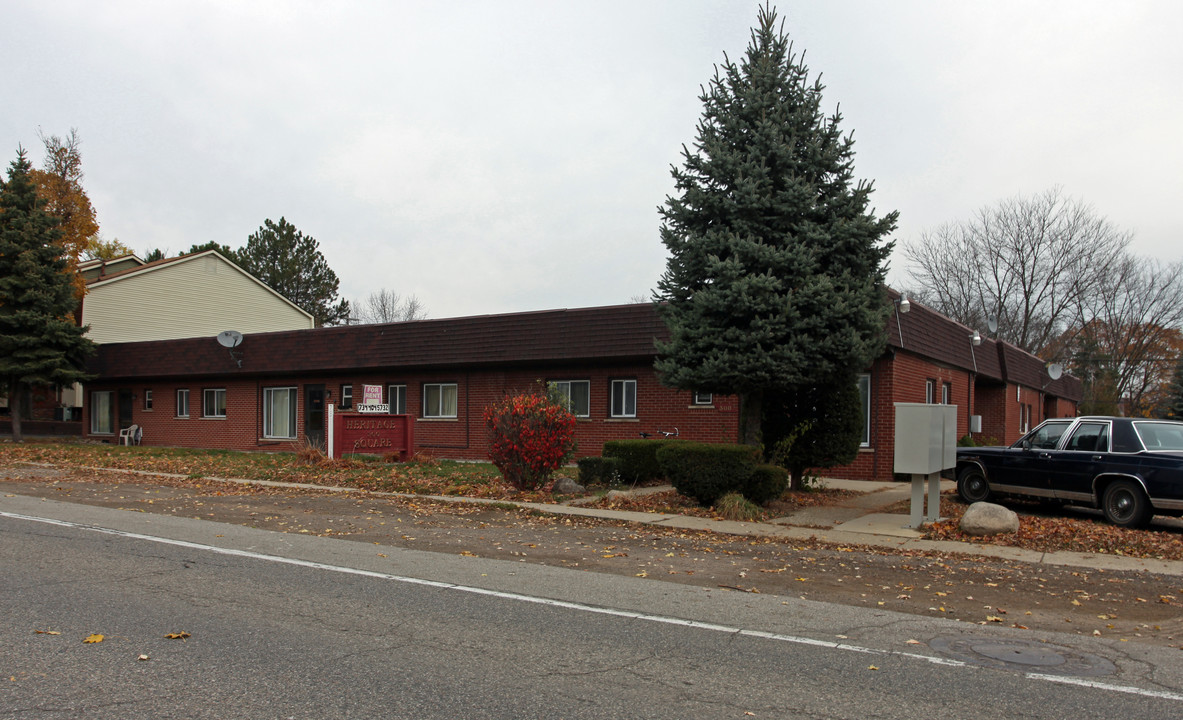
(1126, 339)
(40, 343)
(59, 186)
(103, 249)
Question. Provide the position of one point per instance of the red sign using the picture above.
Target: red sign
(373, 434)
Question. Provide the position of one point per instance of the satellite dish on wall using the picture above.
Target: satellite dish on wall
(1055, 370)
(992, 323)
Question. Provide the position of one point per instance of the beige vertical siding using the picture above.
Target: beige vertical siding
(196, 297)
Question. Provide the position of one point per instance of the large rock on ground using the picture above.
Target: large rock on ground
(983, 518)
(567, 486)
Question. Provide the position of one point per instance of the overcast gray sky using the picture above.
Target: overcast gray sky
(508, 156)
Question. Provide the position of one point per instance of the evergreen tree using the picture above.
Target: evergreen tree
(816, 427)
(1174, 403)
(774, 281)
(291, 263)
(40, 343)
(225, 250)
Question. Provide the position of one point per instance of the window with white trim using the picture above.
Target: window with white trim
(279, 413)
(930, 391)
(183, 403)
(946, 393)
(624, 399)
(439, 400)
(346, 397)
(102, 412)
(396, 399)
(575, 395)
(213, 403)
(704, 398)
(147, 399)
(864, 392)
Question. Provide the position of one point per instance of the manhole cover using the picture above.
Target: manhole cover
(1024, 655)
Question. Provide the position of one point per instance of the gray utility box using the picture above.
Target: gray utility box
(925, 444)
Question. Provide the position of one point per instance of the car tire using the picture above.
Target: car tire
(1125, 505)
(972, 486)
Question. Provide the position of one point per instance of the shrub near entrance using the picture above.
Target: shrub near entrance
(705, 472)
(530, 437)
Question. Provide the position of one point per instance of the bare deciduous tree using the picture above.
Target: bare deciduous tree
(1126, 336)
(1062, 284)
(1030, 262)
(387, 306)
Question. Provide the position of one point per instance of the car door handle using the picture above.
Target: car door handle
(1044, 455)
(1096, 458)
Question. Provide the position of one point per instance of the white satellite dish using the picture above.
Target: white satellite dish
(1055, 370)
(229, 338)
(992, 323)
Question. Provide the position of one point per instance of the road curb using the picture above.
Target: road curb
(837, 536)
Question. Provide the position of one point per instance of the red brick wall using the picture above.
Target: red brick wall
(658, 408)
(893, 379)
(992, 406)
(903, 379)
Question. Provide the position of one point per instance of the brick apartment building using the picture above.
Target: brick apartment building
(271, 393)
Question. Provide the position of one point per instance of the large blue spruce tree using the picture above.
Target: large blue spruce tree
(774, 280)
(40, 343)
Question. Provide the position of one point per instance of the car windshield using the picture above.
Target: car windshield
(1046, 436)
(1161, 435)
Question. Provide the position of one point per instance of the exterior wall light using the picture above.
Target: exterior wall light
(902, 306)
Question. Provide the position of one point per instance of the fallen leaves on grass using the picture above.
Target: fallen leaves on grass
(1063, 532)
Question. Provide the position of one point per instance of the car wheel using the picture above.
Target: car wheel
(1126, 505)
(972, 485)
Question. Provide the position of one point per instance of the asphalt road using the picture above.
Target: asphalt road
(291, 626)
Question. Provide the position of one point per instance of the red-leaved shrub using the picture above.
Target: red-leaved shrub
(530, 436)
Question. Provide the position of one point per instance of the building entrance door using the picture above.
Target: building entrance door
(314, 415)
(124, 409)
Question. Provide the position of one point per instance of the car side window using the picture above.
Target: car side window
(1046, 436)
(1088, 437)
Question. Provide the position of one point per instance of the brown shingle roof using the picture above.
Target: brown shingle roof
(926, 332)
(932, 335)
(598, 334)
(552, 336)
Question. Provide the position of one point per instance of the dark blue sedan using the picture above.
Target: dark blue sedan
(1130, 468)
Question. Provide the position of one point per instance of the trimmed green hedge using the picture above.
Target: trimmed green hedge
(706, 472)
(767, 482)
(638, 458)
(598, 471)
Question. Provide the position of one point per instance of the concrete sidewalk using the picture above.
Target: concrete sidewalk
(857, 522)
(853, 522)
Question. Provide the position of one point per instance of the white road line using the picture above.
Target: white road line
(1105, 686)
(579, 607)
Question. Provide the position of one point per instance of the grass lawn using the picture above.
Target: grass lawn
(429, 477)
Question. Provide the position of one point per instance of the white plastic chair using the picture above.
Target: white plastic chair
(130, 435)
